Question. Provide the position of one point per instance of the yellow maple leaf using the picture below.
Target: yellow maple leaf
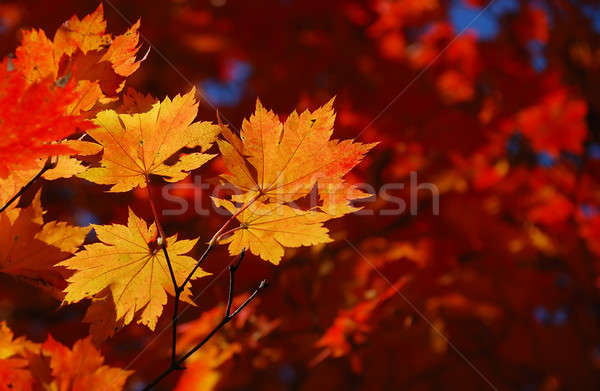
(284, 161)
(130, 263)
(30, 249)
(266, 229)
(137, 145)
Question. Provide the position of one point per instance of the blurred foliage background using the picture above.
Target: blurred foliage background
(496, 103)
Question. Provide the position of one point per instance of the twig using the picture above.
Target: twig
(177, 363)
(162, 242)
(180, 288)
(175, 306)
(48, 166)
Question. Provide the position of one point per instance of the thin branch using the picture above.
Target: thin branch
(232, 269)
(177, 364)
(163, 243)
(263, 284)
(174, 326)
(48, 166)
(226, 319)
(217, 234)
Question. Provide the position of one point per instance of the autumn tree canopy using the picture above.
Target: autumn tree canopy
(278, 194)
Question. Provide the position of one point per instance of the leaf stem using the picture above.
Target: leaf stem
(47, 166)
(162, 240)
(232, 218)
(227, 233)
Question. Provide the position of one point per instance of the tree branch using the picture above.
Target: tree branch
(48, 166)
(226, 319)
(177, 363)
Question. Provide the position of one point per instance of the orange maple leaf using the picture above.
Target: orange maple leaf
(14, 374)
(102, 318)
(11, 346)
(26, 366)
(284, 161)
(82, 50)
(33, 118)
(82, 368)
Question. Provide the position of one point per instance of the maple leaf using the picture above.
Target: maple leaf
(86, 34)
(266, 229)
(290, 159)
(33, 118)
(11, 346)
(101, 315)
(35, 57)
(64, 167)
(130, 263)
(121, 53)
(29, 248)
(82, 368)
(14, 374)
(137, 145)
(25, 366)
(77, 43)
(135, 102)
(82, 50)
